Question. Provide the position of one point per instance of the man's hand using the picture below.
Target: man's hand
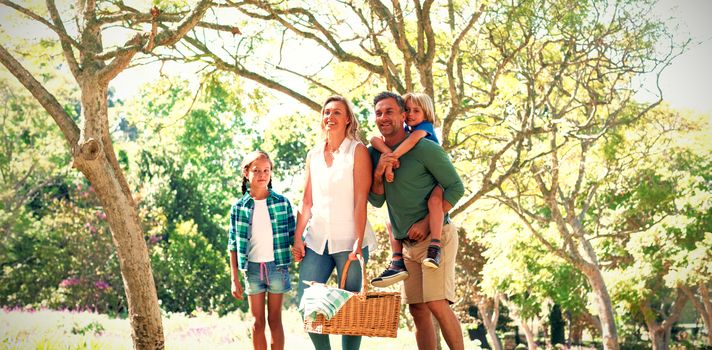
(419, 230)
(236, 289)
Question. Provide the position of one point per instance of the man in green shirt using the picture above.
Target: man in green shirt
(427, 291)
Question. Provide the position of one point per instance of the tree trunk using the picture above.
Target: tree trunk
(523, 324)
(578, 323)
(557, 324)
(609, 334)
(703, 305)
(490, 315)
(94, 160)
(531, 339)
(707, 314)
(660, 339)
(660, 332)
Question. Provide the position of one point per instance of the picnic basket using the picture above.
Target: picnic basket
(372, 314)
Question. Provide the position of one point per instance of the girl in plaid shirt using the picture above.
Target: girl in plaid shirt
(261, 232)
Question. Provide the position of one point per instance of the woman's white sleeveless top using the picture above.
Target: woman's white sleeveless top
(332, 220)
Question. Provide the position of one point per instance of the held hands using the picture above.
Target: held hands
(298, 250)
(419, 230)
(386, 160)
(393, 158)
(236, 289)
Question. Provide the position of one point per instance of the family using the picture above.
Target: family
(405, 168)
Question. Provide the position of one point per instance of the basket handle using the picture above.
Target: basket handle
(364, 285)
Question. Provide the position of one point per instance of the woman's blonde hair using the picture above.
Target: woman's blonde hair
(247, 161)
(352, 129)
(424, 102)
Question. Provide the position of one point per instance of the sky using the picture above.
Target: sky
(686, 83)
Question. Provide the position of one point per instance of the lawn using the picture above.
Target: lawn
(51, 329)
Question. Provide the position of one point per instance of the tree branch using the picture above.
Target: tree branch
(456, 96)
(332, 45)
(45, 98)
(675, 309)
(165, 38)
(241, 71)
(62, 34)
(311, 80)
(66, 45)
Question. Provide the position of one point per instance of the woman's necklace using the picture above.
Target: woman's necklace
(329, 154)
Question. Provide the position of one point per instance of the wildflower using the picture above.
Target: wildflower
(72, 281)
(101, 285)
(91, 227)
(100, 215)
(154, 239)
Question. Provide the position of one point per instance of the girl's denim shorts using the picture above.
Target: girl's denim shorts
(267, 277)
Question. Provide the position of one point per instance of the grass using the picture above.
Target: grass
(52, 329)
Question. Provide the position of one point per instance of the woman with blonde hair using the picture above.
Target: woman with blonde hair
(338, 179)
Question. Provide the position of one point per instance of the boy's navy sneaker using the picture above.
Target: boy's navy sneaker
(433, 258)
(395, 273)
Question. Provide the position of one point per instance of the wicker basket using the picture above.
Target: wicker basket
(373, 314)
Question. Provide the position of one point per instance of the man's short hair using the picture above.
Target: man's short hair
(387, 94)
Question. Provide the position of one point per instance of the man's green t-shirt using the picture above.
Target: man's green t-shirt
(421, 169)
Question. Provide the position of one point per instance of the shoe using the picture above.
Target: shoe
(390, 276)
(433, 258)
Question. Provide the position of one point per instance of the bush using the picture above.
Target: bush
(190, 275)
(63, 258)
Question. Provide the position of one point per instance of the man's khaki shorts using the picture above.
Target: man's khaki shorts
(427, 284)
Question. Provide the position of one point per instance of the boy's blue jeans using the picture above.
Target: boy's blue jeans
(318, 268)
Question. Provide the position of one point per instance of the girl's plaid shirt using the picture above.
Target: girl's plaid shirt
(283, 227)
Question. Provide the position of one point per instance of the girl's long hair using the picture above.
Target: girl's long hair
(247, 162)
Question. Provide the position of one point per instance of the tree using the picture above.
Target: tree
(524, 275)
(652, 218)
(93, 66)
(504, 76)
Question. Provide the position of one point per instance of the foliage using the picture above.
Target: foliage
(47, 217)
(190, 274)
(186, 190)
(50, 263)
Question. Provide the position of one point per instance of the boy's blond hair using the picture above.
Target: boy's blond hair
(423, 101)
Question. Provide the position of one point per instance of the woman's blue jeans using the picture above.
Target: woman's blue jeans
(318, 268)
